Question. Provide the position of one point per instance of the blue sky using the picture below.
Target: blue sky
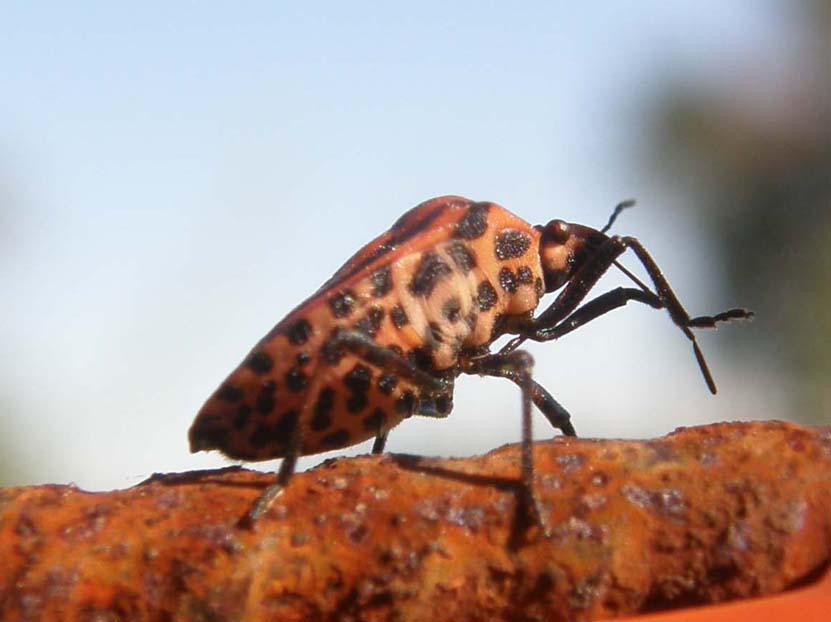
(175, 177)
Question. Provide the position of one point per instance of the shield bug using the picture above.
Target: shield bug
(387, 335)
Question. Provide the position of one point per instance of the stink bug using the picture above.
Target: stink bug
(387, 335)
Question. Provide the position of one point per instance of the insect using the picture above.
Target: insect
(387, 335)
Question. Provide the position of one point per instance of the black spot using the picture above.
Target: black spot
(381, 282)
(511, 244)
(320, 422)
(507, 279)
(524, 275)
(303, 359)
(229, 393)
(260, 363)
(444, 404)
(399, 318)
(325, 401)
(265, 402)
(342, 303)
(358, 379)
(475, 222)
(421, 358)
(285, 425)
(462, 256)
(431, 269)
(323, 407)
(395, 349)
(486, 296)
(387, 383)
(405, 404)
(296, 380)
(335, 439)
(452, 310)
(262, 435)
(435, 333)
(241, 416)
(356, 403)
(299, 332)
(370, 324)
(276, 434)
(374, 421)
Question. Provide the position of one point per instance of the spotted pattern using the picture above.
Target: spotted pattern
(229, 393)
(335, 439)
(486, 296)
(356, 403)
(381, 282)
(370, 324)
(266, 400)
(260, 363)
(342, 304)
(296, 380)
(323, 409)
(399, 317)
(452, 310)
(431, 269)
(462, 256)
(474, 224)
(511, 244)
(507, 280)
(524, 275)
(242, 416)
(299, 332)
(358, 379)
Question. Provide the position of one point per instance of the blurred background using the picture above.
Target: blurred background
(176, 177)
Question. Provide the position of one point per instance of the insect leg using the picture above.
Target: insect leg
(288, 464)
(563, 315)
(495, 365)
(380, 441)
(363, 347)
(593, 309)
(676, 310)
(576, 290)
(518, 366)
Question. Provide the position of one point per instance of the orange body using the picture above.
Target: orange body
(446, 279)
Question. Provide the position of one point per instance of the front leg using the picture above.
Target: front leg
(517, 367)
(500, 366)
(565, 315)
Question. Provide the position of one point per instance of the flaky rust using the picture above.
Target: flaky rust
(704, 515)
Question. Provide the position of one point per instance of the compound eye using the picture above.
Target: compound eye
(558, 231)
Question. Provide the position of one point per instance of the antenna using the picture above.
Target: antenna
(618, 209)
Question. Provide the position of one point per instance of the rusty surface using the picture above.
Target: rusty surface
(703, 515)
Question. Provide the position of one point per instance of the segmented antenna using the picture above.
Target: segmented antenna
(618, 209)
